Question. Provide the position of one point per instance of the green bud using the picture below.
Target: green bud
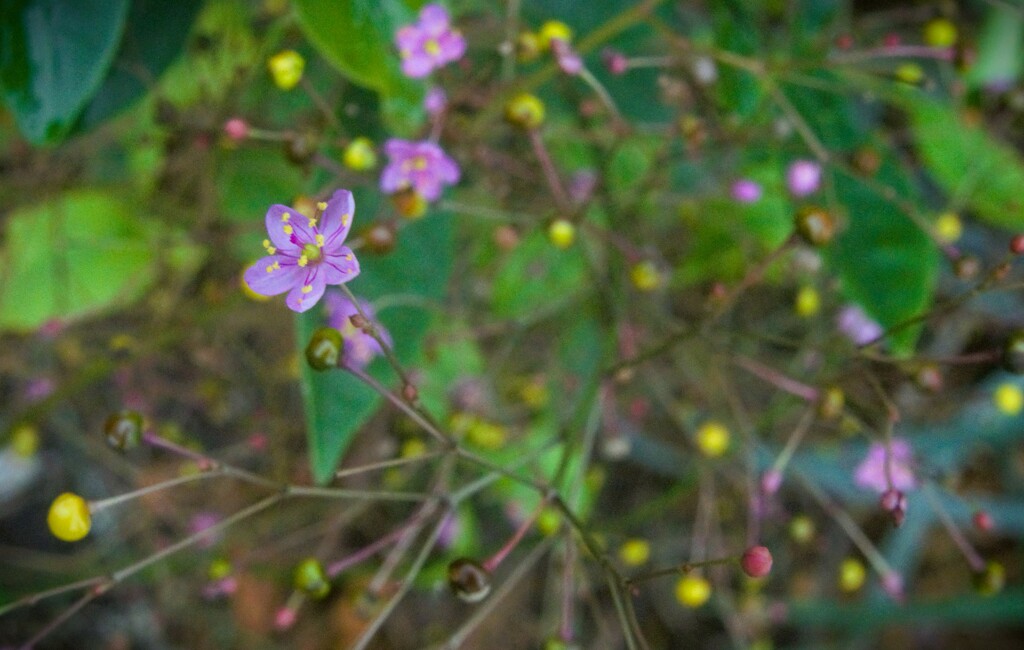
(324, 349)
(310, 578)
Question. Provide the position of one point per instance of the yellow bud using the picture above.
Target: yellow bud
(562, 233)
(807, 302)
(487, 435)
(549, 521)
(851, 575)
(693, 591)
(25, 440)
(801, 529)
(635, 552)
(359, 155)
(948, 227)
(713, 438)
(413, 447)
(409, 204)
(645, 276)
(69, 518)
(219, 569)
(910, 73)
(527, 47)
(940, 32)
(525, 111)
(1008, 399)
(553, 29)
(286, 69)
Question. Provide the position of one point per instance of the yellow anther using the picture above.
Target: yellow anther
(320, 240)
(345, 219)
(312, 223)
(287, 229)
(270, 268)
(266, 243)
(277, 265)
(306, 288)
(321, 206)
(348, 257)
(419, 163)
(285, 217)
(303, 261)
(432, 47)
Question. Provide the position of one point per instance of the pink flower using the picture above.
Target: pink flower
(423, 166)
(305, 255)
(429, 44)
(746, 191)
(615, 61)
(435, 101)
(359, 347)
(857, 326)
(568, 59)
(803, 177)
(872, 474)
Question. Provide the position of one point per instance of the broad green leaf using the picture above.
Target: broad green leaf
(251, 179)
(53, 57)
(450, 360)
(414, 274)
(737, 32)
(1000, 58)
(969, 164)
(629, 164)
(77, 254)
(885, 263)
(840, 123)
(357, 37)
(537, 277)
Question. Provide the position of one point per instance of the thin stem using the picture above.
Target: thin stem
(97, 506)
(550, 173)
(970, 554)
(677, 569)
(387, 464)
(491, 563)
(801, 429)
(85, 599)
(32, 599)
(415, 414)
(777, 379)
(365, 495)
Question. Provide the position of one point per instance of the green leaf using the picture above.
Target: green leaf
(53, 57)
(1000, 57)
(154, 35)
(413, 275)
(249, 180)
(885, 263)
(969, 164)
(357, 37)
(537, 277)
(736, 31)
(77, 254)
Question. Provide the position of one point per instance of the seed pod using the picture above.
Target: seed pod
(815, 225)
(324, 349)
(311, 579)
(123, 430)
(756, 561)
(69, 518)
(525, 111)
(468, 580)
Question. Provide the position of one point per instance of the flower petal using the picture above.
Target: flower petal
(337, 218)
(339, 267)
(308, 292)
(417, 65)
(393, 178)
(279, 216)
(272, 275)
(433, 19)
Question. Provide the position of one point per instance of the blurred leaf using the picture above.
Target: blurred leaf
(154, 35)
(885, 263)
(536, 277)
(736, 32)
(1000, 57)
(53, 58)
(449, 361)
(357, 37)
(971, 166)
(840, 123)
(630, 163)
(251, 179)
(77, 254)
(336, 403)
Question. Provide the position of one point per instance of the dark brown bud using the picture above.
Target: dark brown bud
(815, 225)
(468, 580)
(324, 349)
(123, 430)
(380, 238)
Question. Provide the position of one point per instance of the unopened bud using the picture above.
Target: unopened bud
(756, 561)
(324, 349)
(468, 580)
(123, 430)
(815, 225)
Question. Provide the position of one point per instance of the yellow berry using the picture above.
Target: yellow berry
(562, 233)
(551, 30)
(219, 569)
(851, 575)
(1009, 399)
(413, 447)
(940, 32)
(359, 155)
(69, 517)
(801, 529)
(713, 438)
(990, 581)
(645, 276)
(286, 69)
(487, 435)
(25, 440)
(910, 73)
(310, 578)
(948, 227)
(635, 552)
(807, 302)
(693, 591)
(549, 521)
(525, 111)
(527, 46)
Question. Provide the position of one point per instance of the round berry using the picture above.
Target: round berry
(123, 430)
(562, 233)
(801, 529)
(940, 32)
(756, 561)
(831, 403)
(468, 580)
(713, 439)
(635, 552)
(645, 276)
(69, 518)
(525, 111)
(991, 580)
(1017, 244)
(815, 225)
(693, 591)
(324, 349)
(1008, 399)
(311, 579)
(983, 521)
(851, 575)
(359, 155)
(807, 302)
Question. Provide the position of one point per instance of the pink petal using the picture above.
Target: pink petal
(337, 218)
(408, 39)
(393, 178)
(340, 267)
(299, 300)
(417, 65)
(274, 281)
(276, 221)
(433, 19)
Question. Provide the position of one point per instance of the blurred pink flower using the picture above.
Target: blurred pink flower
(422, 166)
(857, 326)
(746, 191)
(359, 347)
(430, 43)
(803, 177)
(871, 473)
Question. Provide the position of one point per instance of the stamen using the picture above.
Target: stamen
(303, 261)
(321, 206)
(287, 229)
(306, 288)
(285, 217)
(320, 240)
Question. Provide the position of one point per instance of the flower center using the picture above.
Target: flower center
(311, 252)
(432, 47)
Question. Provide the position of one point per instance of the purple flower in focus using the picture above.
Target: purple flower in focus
(855, 324)
(359, 347)
(746, 191)
(430, 43)
(871, 473)
(803, 177)
(423, 166)
(435, 100)
(305, 255)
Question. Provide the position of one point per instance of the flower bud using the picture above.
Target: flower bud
(69, 518)
(851, 575)
(756, 561)
(693, 591)
(815, 225)
(966, 267)
(562, 233)
(1013, 353)
(554, 30)
(468, 580)
(867, 160)
(1017, 245)
(803, 177)
(359, 155)
(831, 403)
(929, 377)
(236, 129)
(948, 227)
(123, 430)
(614, 61)
(286, 69)
(525, 111)
(991, 580)
(983, 521)
(324, 349)
(801, 529)
(645, 276)
(310, 578)
(380, 238)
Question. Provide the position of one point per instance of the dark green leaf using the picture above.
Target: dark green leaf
(536, 277)
(53, 57)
